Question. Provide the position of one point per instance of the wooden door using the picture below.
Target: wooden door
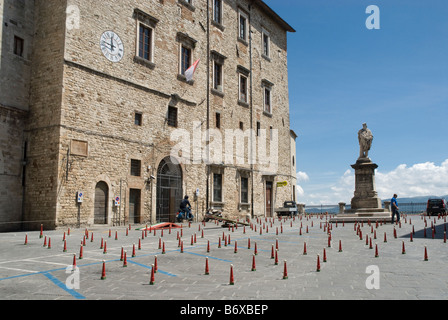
(134, 205)
(100, 204)
(269, 198)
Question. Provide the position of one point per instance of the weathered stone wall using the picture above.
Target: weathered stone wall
(82, 131)
(12, 122)
(16, 20)
(101, 97)
(45, 113)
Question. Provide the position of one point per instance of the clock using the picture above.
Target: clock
(112, 46)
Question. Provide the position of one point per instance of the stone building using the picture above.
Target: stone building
(101, 123)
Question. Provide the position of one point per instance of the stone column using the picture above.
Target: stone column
(341, 207)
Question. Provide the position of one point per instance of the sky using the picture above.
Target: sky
(395, 79)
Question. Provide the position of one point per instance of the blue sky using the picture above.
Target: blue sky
(395, 79)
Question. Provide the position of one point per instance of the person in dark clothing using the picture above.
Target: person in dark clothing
(394, 204)
(185, 209)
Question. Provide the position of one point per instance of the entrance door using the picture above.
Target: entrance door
(169, 190)
(100, 205)
(269, 198)
(134, 205)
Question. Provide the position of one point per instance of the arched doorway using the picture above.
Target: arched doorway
(101, 200)
(169, 190)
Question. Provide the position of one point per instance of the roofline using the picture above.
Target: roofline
(274, 15)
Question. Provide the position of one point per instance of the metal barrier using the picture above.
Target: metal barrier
(405, 208)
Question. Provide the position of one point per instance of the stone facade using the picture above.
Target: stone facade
(111, 129)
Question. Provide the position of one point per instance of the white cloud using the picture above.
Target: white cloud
(421, 179)
(302, 176)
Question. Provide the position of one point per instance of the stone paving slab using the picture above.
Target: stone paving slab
(36, 272)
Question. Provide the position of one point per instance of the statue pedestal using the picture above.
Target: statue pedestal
(365, 204)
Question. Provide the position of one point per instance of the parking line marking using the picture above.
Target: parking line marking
(62, 285)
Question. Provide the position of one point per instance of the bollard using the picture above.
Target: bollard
(285, 271)
(207, 271)
(103, 273)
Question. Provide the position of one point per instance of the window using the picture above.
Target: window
(267, 96)
(267, 100)
(18, 46)
(186, 50)
(145, 42)
(144, 50)
(172, 116)
(271, 132)
(265, 39)
(217, 11)
(241, 126)
(218, 120)
(217, 187)
(244, 190)
(242, 26)
(243, 85)
(258, 128)
(136, 166)
(243, 88)
(185, 59)
(217, 76)
(138, 119)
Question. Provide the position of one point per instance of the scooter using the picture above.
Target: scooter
(181, 216)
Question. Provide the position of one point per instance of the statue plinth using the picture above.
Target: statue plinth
(365, 205)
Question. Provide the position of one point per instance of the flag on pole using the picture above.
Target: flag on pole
(190, 71)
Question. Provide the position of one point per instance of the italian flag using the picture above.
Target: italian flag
(190, 71)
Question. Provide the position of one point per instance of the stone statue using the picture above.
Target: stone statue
(365, 138)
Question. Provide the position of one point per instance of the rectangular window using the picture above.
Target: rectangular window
(136, 166)
(172, 116)
(267, 100)
(243, 88)
(138, 119)
(242, 26)
(18, 46)
(217, 11)
(244, 190)
(241, 126)
(217, 187)
(258, 128)
(218, 120)
(217, 76)
(265, 39)
(145, 42)
(185, 59)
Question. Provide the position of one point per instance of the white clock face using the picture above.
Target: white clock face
(112, 46)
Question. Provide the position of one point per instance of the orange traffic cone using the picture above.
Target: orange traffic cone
(285, 271)
(152, 281)
(103, 273)
(207, 271)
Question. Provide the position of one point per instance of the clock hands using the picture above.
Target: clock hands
(111, 46)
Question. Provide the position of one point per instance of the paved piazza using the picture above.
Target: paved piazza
(33, 271)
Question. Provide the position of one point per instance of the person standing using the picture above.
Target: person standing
(394, 204)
